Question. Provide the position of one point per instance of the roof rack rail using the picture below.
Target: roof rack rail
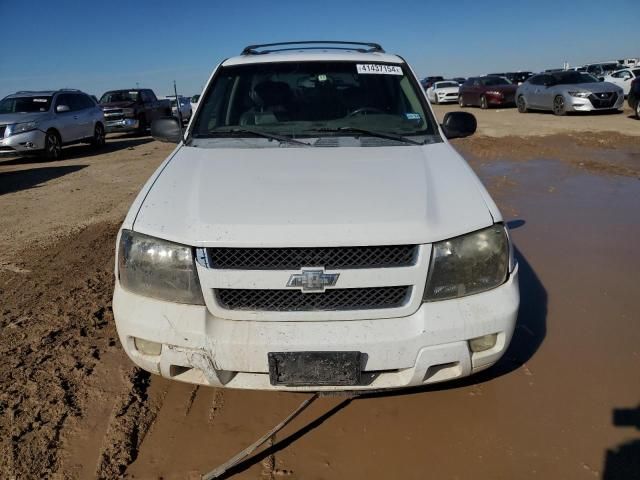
(329, 45)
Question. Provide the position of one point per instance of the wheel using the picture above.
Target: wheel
(461, 102)
(638, 109)
(98, 139)
(52, 146)
(522, 105)
(558, 105)
(483, 102)
(435, 99)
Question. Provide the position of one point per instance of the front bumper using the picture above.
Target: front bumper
(500, 100)
(22, 143)
(577, 104)
(122, 125)
(448, 98)
(429, 346)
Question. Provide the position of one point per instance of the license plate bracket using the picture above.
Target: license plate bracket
(297, 369)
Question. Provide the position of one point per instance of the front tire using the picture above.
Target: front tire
(461, 102)
(435, 99)
(522, 105)
(638, 109)
(98, 139)
(52, 146)
(558, 106)
(483, 102)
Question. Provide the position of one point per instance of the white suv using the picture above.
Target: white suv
(314, 230)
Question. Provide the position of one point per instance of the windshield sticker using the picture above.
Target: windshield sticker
(379, 69)
(322, 78)
(40, 100)
(413, 116)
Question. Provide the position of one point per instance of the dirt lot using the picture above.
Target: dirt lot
(73, 406)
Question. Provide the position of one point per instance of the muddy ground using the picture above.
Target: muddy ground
(563, 403)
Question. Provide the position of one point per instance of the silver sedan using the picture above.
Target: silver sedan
(570, 91)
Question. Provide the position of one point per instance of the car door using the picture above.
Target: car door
(83, 109)
(622, 79)
(66, 121)
(545, 92)
(532, 92)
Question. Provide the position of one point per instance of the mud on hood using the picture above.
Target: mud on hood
(314, 197)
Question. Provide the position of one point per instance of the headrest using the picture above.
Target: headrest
(270, 93)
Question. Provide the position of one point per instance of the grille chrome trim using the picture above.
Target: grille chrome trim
(268, 300)
(298, 257)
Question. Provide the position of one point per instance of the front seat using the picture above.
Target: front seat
(272, 101)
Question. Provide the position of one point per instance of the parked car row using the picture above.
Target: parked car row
(559, 91)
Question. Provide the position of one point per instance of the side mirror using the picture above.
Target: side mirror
(166, 129)
(63, 108)
(459, 125)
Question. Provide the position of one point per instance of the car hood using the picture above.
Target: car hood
(314, 197)
(117, 104)
(447, 89)
(9, 118)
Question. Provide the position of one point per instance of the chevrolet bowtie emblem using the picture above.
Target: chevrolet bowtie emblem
(312, 280)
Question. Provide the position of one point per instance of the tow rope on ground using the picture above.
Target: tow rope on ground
(219, 471)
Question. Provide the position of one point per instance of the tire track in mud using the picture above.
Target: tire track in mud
(57, 325)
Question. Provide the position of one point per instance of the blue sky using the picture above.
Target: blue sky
(97, 46)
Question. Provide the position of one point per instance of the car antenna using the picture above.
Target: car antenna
(175, 92)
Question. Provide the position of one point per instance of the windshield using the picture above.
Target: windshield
(119, 96)
(312, 99)
(446, 84)
(25, 104)
(572, 78)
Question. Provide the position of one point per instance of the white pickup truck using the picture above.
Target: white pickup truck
(314, 230)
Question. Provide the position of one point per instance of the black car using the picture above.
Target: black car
(634, 97)
(460, 80)
(428, 81)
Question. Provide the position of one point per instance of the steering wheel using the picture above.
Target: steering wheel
(364, 110)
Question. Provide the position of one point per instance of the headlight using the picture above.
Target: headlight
(156, 268)
(20, 128)
(128, 112)
(580, 94)
(468, 264)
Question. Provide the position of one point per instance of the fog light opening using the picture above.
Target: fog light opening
(486, 342)
(147, 347)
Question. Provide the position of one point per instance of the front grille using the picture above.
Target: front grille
(113, 115)
(296, 301)
(603, 99)
(327, 257)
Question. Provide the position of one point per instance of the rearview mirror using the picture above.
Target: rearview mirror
(63, 108)
(459, 125)
(166, 129)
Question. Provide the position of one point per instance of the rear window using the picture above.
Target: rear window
(494, 81)
(25, 104)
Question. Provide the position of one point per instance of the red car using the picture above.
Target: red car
(487, 92)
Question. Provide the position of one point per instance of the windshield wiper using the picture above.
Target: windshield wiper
(261, 133)
(373, 133)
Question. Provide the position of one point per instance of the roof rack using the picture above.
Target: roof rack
(329, 45)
